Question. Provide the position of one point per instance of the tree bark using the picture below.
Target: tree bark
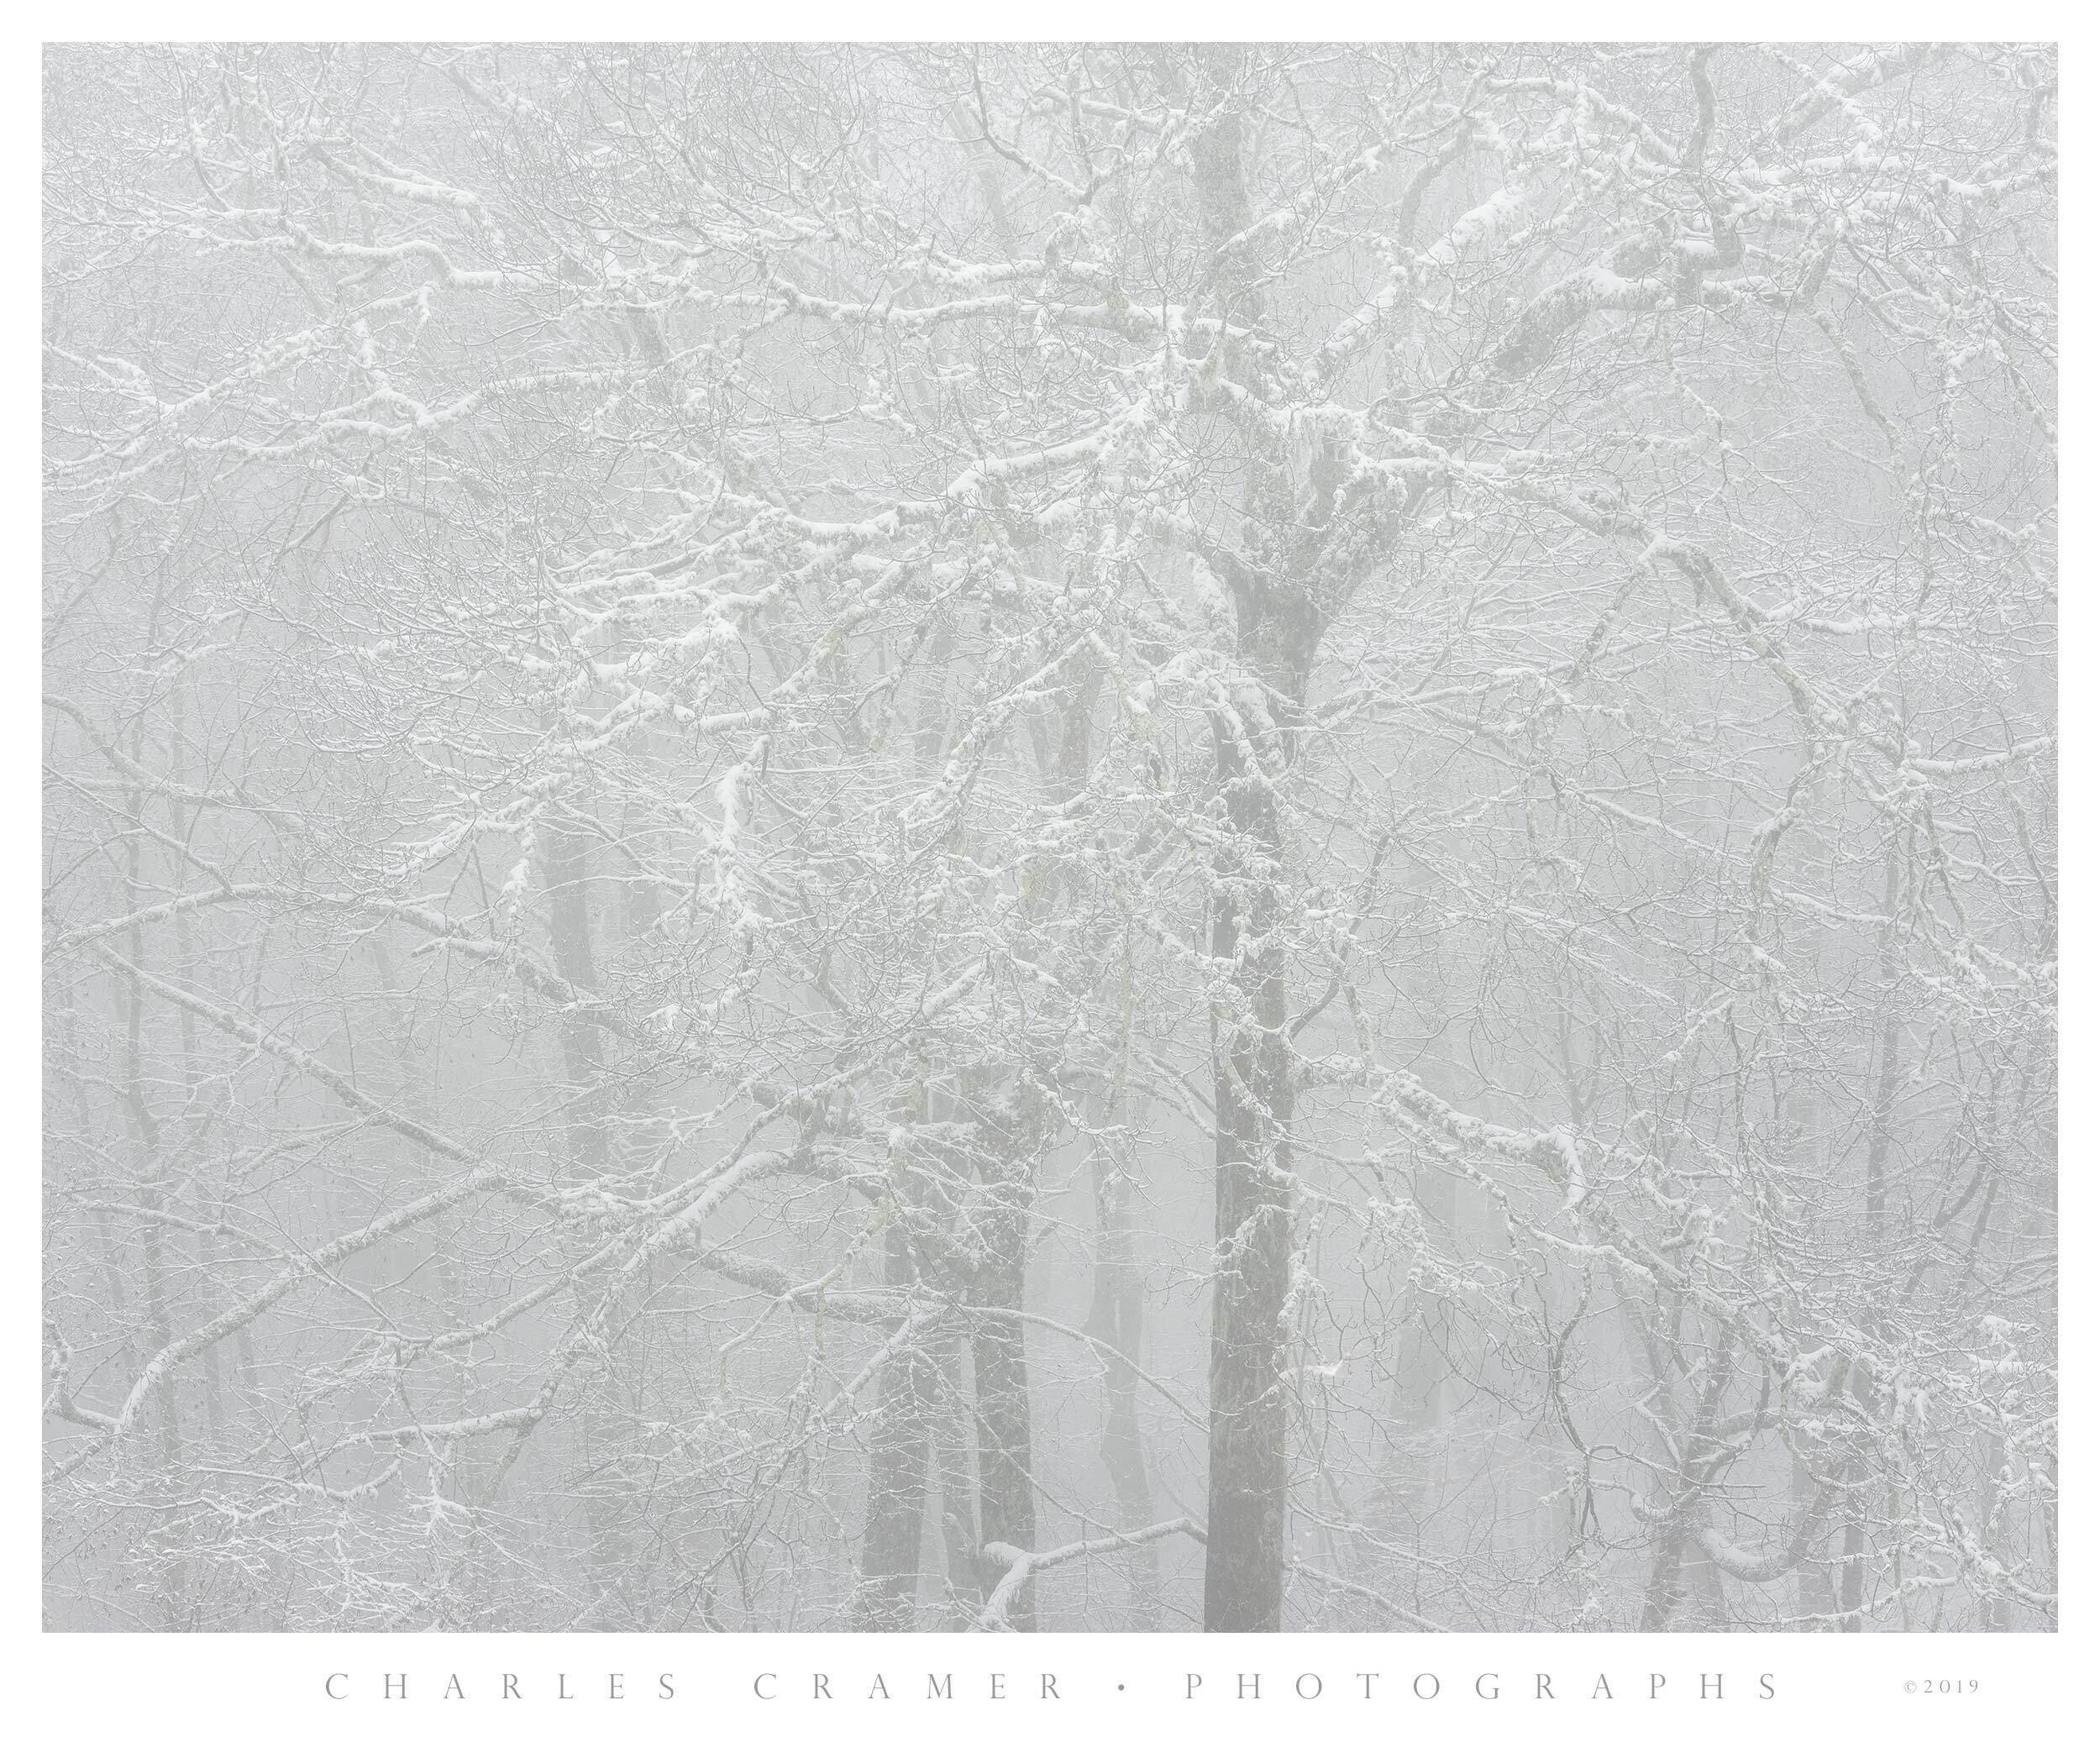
(1243, 1578)
(1005, 1474)
(886, 1599)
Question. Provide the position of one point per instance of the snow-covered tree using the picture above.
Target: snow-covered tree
(1066, 835)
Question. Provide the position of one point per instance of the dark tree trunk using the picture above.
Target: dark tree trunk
(959, 1537)
(1278, 588)
(1005, 1478)
(1117, 1317)
(1688, 1494)
(887, 1598)
(1243, 1584)
(1243, 1581)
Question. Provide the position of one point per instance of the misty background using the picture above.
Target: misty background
(1061, 836)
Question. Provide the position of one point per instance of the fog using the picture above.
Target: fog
(1050, 836)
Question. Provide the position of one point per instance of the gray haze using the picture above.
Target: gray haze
(1050, 836)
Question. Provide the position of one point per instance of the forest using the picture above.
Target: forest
(1049, 837)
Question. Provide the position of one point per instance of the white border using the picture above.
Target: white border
(227, 1687)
